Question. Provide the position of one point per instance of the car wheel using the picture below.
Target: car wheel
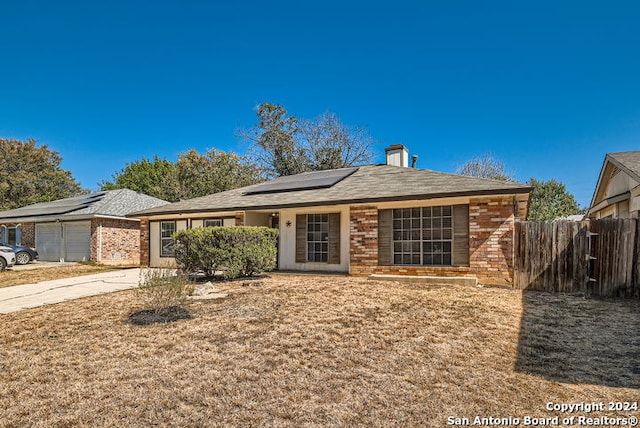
(22, 258)
(3, 264)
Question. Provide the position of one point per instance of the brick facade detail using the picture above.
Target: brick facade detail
(363, 235)
(491, 225)
(28, 235)
(491, 228)
(115, 242)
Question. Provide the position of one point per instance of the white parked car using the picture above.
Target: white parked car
(7, 257)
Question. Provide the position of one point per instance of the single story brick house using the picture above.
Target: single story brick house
(372, 219)
(82, 228)
(617, 194)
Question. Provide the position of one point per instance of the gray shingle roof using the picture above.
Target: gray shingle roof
(627, 161)
(112, 203)
(370, 183)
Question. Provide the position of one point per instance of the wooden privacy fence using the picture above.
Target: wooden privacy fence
(597, 257)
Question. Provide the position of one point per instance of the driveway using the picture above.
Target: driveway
(27, 296)
(40, 265)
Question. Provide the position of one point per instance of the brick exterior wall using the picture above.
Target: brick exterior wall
(363, 246)
(28, 233)
(491, 224)
(117, 242)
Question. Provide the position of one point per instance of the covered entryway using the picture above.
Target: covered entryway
(69, 241)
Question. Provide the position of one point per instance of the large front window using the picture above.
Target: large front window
(317, 237)
(167, 229)
(422, 236)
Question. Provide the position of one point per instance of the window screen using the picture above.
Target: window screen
(167, 229)
(422, 236)
(317, 237)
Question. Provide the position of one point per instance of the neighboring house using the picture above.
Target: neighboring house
(373, 219)
(87, 227)
(617, 193)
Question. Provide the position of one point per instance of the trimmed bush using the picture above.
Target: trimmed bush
(236, 251)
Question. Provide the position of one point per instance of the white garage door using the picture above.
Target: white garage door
(70, 242)
(49, 241)
(77, 241)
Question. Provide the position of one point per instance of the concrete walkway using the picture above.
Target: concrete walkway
(27, 296)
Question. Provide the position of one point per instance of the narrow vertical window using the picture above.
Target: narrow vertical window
(167, 229)
(12, 235)
(317, 238)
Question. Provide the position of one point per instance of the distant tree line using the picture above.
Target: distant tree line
(191, 176)
(280, 144)
(549, 199)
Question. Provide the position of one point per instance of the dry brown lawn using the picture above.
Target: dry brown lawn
(16, 277)
(318, 351)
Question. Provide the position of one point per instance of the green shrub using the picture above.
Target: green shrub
(164, 289)
(237, 251)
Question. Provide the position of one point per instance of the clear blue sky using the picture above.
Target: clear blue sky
(548, 87)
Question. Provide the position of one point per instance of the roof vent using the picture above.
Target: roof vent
(397, 155)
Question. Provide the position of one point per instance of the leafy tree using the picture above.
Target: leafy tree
(485, 166)
(151, 177)
(30, 174)
(212, 172)
(274, 137)
(285, 145)
(550, 200)
(192, 175)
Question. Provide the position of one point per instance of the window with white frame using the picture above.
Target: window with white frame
(167, 229)
(213, 222)
(423, 236)
(317, 237)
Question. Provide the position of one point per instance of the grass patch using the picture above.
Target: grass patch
(17, 277)
(153, 316)
(307, 351)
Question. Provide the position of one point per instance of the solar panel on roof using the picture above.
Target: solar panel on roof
(306, 181)
(61, 206)
(93, 197)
